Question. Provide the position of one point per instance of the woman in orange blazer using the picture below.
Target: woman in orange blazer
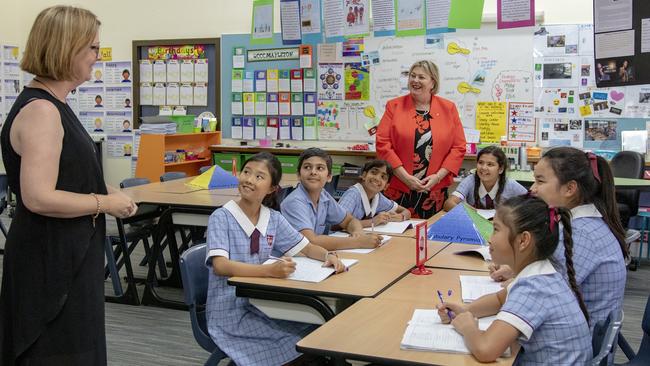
(422, 137)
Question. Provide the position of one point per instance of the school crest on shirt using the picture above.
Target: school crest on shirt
(269, 239)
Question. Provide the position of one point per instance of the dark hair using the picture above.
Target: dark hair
(569, 164)
(314, 151)
(127, 71)
(378, 163)
(275, 169)
(98, 96)
(527, 213)
(501, 160)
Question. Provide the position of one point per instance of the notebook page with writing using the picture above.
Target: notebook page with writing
(474, 287)
(311, 270)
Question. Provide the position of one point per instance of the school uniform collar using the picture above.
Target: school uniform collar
(482, 192)
(245, 222)
(323, 197)
(370, 208)
(542, 267)
(588, 210)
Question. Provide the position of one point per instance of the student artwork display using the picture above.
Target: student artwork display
(10, 78)
(174, 76)
(556, 102)
(521, 122)
(561, 132)
(602, 102)
(357, 82)
(331, 82)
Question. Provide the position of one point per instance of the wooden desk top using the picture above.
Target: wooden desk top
(399, 250)
(447, 259)
(372, 330)
(413, 288)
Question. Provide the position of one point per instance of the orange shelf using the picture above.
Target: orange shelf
(151, 160)
(187, 162)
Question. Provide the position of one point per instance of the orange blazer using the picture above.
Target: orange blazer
(396, 138)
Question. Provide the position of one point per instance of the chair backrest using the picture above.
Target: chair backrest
(283, 193)
(628, 164)
(195, 287)
(204, 169)
(604, 337)
(172, 175)
(132, 182)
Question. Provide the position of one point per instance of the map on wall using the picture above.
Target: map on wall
(485, 66)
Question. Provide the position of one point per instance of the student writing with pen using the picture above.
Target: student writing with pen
(539, 310)
(310, 209)
(242, 235)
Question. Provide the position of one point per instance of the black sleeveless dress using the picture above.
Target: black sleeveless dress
(52, 301)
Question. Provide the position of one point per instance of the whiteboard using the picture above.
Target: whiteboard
(475, 66)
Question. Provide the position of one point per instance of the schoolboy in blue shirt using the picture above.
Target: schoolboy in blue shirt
(310, 209)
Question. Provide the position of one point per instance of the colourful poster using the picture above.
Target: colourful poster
(183, 52)
(521, 122)
(330, 81)
(262, 24)
(491, 121)
(357, 82)
(409, 17)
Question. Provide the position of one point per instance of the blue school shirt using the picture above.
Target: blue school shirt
(541, 305)
(301, 213)
(598, 262)
(465, 191)
(243, 332)
(356, 202)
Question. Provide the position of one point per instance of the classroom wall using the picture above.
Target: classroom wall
(124, 21)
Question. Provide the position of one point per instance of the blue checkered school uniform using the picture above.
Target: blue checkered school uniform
(301, 213)
(243, 332)
(356, 202)
(598, 262)
(543, 308)
(465, 191)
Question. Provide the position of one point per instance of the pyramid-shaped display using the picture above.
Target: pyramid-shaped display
(215, 177)
(461, 225)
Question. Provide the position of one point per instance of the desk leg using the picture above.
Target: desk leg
(150, 296)
(312, 301)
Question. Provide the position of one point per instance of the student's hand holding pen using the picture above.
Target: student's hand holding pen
(381, 218)
(282, 267)
(449, 308)
(368, 240)
(332, 260)
(465, 322)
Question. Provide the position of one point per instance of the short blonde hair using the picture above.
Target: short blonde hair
(58, 35)
(430, 69)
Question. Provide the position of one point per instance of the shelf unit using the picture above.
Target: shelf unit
(151, 160)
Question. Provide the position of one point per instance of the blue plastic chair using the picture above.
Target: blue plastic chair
(642, 357)
(195, 286)
(172, 176)
(604, 338)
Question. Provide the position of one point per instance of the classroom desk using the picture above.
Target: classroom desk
(447, 259)
(413, 288)
(527, 177)
(371, 330)
(318, 302)
(410, 233)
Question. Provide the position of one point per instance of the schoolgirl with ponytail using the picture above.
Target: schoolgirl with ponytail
(539, 309)
(242, 235)
(583, 183)
(489, 185)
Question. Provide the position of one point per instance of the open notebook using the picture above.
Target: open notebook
(474, 287)
(311, 270)
(394, 227)
(479, 250)
(425, 332)
(384, 240)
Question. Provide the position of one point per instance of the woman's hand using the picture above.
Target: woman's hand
(381, 218)
(334, 261)
(430, 181)
(282, 268)
(413, 183)
(454, 308)
(119, 205)
(465, 322)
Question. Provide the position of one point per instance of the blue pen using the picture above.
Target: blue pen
(443, 302)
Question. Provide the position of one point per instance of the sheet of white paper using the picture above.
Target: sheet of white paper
(488, 214)
(437, 13)
(394, 227)
(615, 44)
(340, 234)
(311, 270)
(474, 287)
(483, 250)
(645, 35)
(612, 15)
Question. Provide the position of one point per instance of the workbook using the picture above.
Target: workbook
(311, 270)
(482, 250)
(426, 332)
(474, 287)
(394, 227)
(341, 234)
